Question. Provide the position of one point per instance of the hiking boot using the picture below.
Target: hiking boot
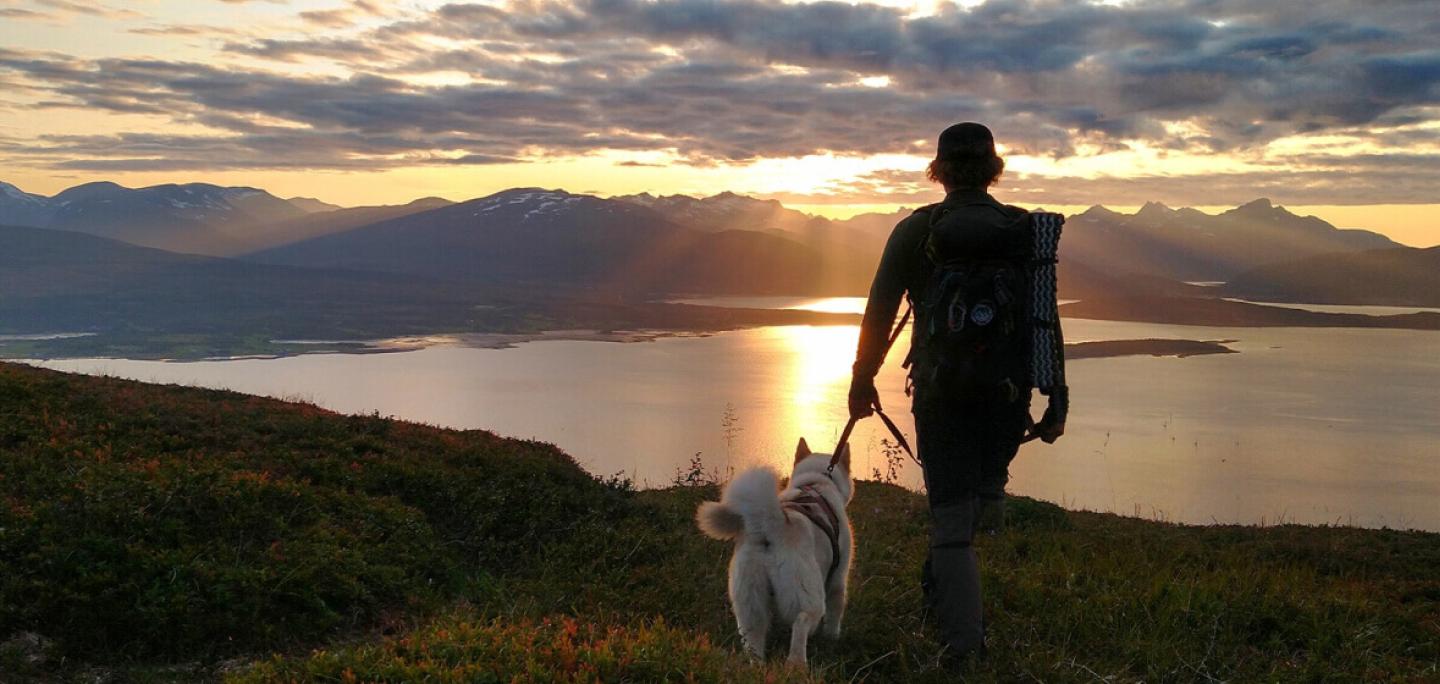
(954, 573)
(959, 664)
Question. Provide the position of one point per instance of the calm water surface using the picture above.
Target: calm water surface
(1304, 425)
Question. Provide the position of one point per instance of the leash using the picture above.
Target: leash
(894, 429)
(1031, 434)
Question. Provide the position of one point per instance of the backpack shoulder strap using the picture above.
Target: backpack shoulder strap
(939, 210)
(927, 208)
(931, 212)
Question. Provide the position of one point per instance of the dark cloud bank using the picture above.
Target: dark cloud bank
(723, 82)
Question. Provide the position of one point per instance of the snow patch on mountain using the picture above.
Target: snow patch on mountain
(535, 202)
(14, 193)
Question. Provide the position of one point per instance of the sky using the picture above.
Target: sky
(1330, 107)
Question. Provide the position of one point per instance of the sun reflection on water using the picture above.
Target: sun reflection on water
(855, 305)
(850, 305)
(815, 387)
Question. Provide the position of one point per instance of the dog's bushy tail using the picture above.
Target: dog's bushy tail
(750, 505)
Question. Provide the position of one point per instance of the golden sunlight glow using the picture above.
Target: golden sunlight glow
(819, 359)
(815, 392)
(855, 305)
(1141, 159)
(815, 172)
(845, 210)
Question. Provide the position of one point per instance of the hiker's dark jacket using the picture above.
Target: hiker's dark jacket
(904, 267)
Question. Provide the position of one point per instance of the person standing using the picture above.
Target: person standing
(968, 364)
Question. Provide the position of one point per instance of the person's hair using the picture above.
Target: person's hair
(966, 172)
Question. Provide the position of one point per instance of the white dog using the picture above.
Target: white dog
(792, 548)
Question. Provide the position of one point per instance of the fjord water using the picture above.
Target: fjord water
(1308, 425)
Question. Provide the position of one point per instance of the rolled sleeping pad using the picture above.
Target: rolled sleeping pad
(1047, 357)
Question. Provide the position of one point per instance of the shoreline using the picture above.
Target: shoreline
(1229, 313)
(1074, 351)
(653, 321)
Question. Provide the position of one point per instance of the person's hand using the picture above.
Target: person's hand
(1049, 431)
(864, 398)
(1052, 424)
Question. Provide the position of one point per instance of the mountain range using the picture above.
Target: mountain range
(63, 280)
(561, 240)
(194, 218)
(1189, 245)
(644, 245)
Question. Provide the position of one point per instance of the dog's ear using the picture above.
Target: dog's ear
(801, 450)
(845, 456)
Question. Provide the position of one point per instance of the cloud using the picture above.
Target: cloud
(1107, 71)
(344, 16)
(1318, 179)
(26, 14)
(335, 18)
(714, 82)
(185, 30)
(89, 8)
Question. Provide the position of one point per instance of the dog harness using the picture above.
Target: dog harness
(817, 510)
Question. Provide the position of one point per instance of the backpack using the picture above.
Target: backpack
(973, 324)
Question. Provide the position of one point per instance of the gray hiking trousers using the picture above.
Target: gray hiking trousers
(966, 449)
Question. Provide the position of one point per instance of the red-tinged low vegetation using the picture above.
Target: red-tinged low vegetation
(155, 533)
(561, 651)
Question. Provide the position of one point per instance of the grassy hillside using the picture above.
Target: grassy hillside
(173, 534)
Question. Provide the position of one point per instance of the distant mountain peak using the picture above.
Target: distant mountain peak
(1264, 209)
(17, 194)
(20, 208)
(536, 202)
(510, 192)
(1262, 204)
(734, 198)
(96, 185)
(311, 205)
(86, 191)
(1099, 211)
(727, 210)
(1155, 209)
